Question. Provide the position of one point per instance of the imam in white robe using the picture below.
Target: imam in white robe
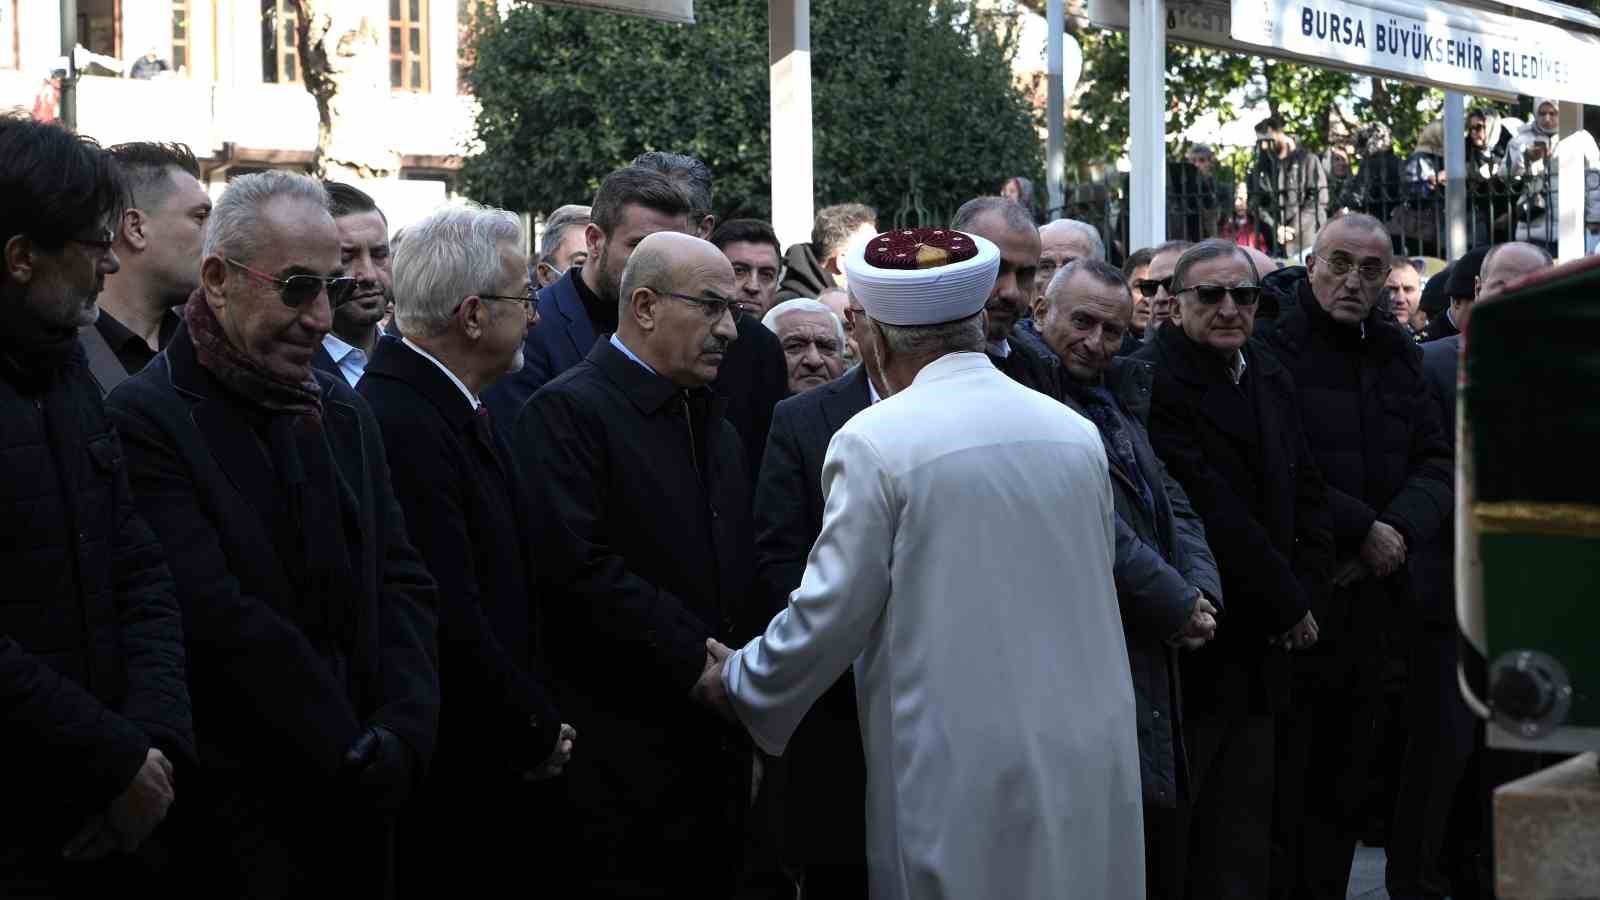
(964, 567)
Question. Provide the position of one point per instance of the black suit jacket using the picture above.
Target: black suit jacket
(644, 549)
(468, 511)
(825, 797)
(1241, 456)
(1439, 327)
(1029, 367)
(1433, 570)
(275, 718)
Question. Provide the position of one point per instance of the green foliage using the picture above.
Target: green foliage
(1313, 102)
(568, 95)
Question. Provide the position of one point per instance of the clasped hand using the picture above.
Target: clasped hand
(709, 689)
(1201, 627)
(131, 817)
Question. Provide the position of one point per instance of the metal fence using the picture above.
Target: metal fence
(1283, 221)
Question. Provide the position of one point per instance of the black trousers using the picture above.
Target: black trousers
(1436, 757)
(1326, 744)
(1166, 849)
(1231, 764)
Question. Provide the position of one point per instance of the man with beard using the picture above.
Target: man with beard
(364, 253)
(632, 204)
(96, 713)
(644, 549)
(1009, 227)
(464, 302)
(813, 342)
(158, 243)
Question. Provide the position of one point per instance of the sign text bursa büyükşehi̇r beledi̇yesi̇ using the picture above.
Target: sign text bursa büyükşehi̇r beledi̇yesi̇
(1411, 42)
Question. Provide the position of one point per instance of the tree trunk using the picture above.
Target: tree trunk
(343, 65)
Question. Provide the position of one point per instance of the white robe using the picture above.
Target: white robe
(964, 567)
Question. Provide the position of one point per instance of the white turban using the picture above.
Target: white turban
(930, 296)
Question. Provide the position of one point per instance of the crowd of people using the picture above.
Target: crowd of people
(666, 561)
(1289, 193)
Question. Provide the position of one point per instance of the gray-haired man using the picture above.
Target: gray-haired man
(464, 302)
(308, 618)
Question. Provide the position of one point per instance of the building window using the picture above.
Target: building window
(408, 45)
(280, 53)
(9, 43)
(180, 36)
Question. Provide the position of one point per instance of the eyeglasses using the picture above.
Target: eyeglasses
(714, 307)
(1371, 270)
(100, 244)
(298, 290)
(527, 299)
(1212, 294)
(1147, 287)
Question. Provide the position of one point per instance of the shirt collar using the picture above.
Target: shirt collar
(1236, 366)
(1000, 348)
(338, 349)
(872, 392)
(617, 343)
(471, 398)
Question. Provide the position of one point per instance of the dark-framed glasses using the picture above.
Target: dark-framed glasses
(714, 307)
(1212, 294)
(101, 243)
(298, 290)
(1147, 287)
(1371, 270)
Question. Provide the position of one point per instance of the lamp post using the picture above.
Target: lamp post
(68, 112)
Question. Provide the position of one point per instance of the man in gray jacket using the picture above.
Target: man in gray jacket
(1166, 577)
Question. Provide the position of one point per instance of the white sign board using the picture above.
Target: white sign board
(1450, 46)
(1206, 22)
(668, 10)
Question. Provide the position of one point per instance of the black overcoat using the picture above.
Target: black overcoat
(275, 715)
(467, 511)
(825, 795)
(1376, 435)
(644, 549)
(91, 639)
(1240, 454)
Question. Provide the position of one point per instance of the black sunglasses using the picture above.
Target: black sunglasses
(1147, 287)
(298, 290)
(1212, 294)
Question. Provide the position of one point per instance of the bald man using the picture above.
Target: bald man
(643, 548)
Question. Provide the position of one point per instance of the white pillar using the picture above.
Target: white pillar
(789, 55)
(1147, 145)
(1055, 160)
(1455, 168)
(1572, 185)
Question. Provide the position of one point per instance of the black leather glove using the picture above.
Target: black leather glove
(381, 768)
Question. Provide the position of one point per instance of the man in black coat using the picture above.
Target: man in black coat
(93, 704)
(1011, 228)
(1441, 739)
(1166, 577)
(308, 617)
(631, 204)
(644, 551)
(1460, 281)
(1378, 442)
(824, 797)
(1224, 420)
(463, 298)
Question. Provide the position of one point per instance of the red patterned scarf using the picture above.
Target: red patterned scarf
(241, 374)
